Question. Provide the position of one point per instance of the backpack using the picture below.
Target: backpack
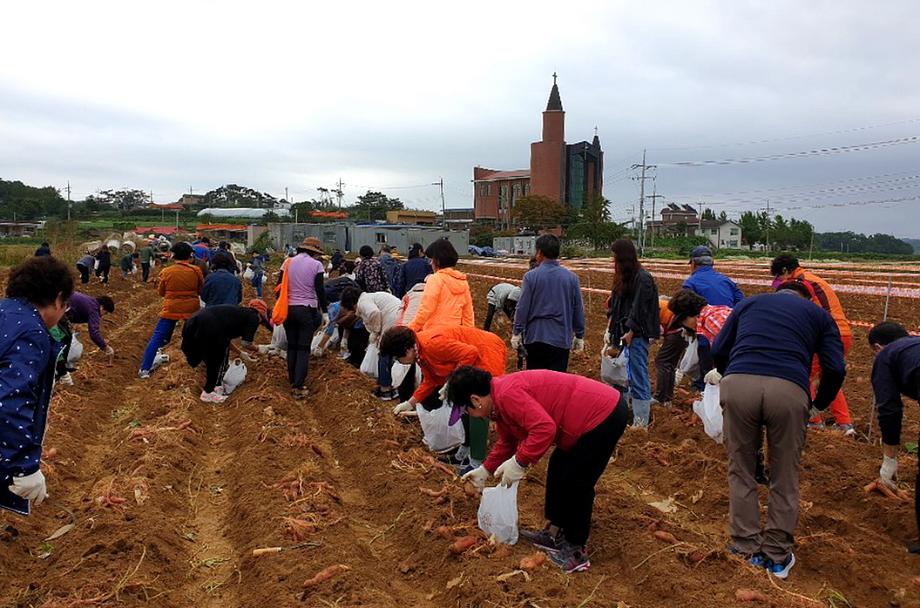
(335, 287)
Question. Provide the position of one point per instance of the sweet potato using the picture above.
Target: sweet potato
(501, 552)
(325, 574)
(433, 493)
(532, 562)
(884, 490)
(462, 544)
(444, 532)
(750, 595)
(665, 537)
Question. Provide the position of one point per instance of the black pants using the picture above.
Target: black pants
(545, 356)
(407, 387)
(300, 325)
(358, 339)
(508, 309)
(103, 271)
(61, 365)
(669, 355)
(145, 270)
(215, 357)
(84, 273)
(572, 475)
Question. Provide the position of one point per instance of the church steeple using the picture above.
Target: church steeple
(555, 102)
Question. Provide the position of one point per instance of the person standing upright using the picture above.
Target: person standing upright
(446, 299)
(390, 266)
(764, 352)
(634, 319)
(718, 289)
(786, 268)
(103, 263)
(414, 271)
(549, 319)
(146, 258)
(369, 274)
(221, 286)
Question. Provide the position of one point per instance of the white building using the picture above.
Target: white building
(721, 234)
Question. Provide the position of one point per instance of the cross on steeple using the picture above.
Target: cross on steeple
(554, 77)
(595, 130)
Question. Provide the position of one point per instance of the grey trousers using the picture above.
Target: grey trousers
(750, 403)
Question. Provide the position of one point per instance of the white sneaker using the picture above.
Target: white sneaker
(144, 374)
(66, 380)
(212, 397)
(344, 354)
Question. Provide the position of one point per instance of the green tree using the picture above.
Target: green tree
(751, 231)
(122, 200)
(374, 206)
(21, 202)
(593, 224)
(233, 195)
(708, 214)
(539, 212)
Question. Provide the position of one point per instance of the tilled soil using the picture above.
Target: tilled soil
(170, 496)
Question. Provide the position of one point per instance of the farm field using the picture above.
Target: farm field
(168, 497)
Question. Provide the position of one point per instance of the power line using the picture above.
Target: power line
(792, 186)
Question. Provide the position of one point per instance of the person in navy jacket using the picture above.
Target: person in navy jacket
(718, 289)
(36, 298)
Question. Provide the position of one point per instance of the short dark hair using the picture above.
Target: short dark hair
(783, 263)
(366, 251)
(40, 281)
(443, 253)
(532, 262)
(349, 298)
(548, 245)
(796, 286)
(686, 303)
(222, 260)
(467, 381)
(205, 239)
(416, 250)
(349, 266)
(106, 303)
(182, 250)
(887, 332)
(396, 341)
(224, 245)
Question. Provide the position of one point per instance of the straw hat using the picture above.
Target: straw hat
(313, 245)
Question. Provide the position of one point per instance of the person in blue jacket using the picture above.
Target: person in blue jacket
(36, 299)
(718, 289)
(222, 286)
(413, 272)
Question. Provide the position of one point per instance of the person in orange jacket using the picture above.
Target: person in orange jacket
(439, 351)
(180, 285)
(786, 268)
(447, 299)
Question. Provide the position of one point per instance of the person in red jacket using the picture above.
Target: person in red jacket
(533, 410)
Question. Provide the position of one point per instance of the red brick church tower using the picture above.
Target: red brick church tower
(547, 157)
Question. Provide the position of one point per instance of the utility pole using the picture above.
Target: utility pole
(642, 177)
(286, 199)
(769, 221)
(654, 196)
(440, 182)
(339, 194)
(68, 200)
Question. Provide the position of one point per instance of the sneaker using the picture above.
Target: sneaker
(846, 429)
(386, 395)
(212, 397)
(571, 558)
(219, 390)
(464, 468)
(782, 569)
(816, 425)
(144, 374)
(298, 394)
(66, 380)
(542, 539)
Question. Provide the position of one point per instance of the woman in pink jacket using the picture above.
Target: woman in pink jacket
(533, 410)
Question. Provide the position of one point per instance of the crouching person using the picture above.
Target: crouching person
(208, 337)
(439, 351)
(533, 410)
(36, 296)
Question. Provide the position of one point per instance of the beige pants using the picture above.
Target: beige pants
(749, 404)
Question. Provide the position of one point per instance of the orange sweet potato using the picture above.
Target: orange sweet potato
(325, 574)
(462, 544)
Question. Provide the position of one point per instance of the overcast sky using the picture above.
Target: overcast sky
(168, 96)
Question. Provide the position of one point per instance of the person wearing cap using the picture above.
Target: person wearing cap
(532, 410)
(301, 306)
(762, 360)
(786, 268)
(222, 286)
(895, 372)
(414, 271)
(179, 285)
(369, 274)
(549, 320)
(439, 351)
(145, 254)
(718, 289)
(208, 337)
(504, 297)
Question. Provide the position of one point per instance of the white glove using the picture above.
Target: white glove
(888, 471)
(374, 339)
(713, 377)
(578, 345)
(109, 350)
(607, 338)
(325, 319)
(509, 471)
(319, 351)
(247, 357)
(515, 341)
(31, 487)
(442, 392)
(477, 477)
(405, 406)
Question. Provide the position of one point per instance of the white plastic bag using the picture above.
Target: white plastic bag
(498, 513)
(615, 370)
(75, 352)
(234, 376)
(439, 436)
(369, 364)
(710, 412)
(690, 363)
(249, 273)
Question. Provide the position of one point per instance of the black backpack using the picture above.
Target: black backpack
(335, 287)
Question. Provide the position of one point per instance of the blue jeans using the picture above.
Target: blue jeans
(257, 283)
(162, 334)
(639, 386)
(384, 371)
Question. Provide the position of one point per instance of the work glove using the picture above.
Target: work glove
(515, 341)
(578, 345)
(319, 351)
(509, 472)
(477, 477)
(31, 487)
(109, 351)
(405, 406)
(607, 338)
(888, 471)
(713, 377)
(325, 319)
(374, 339)
(442, 393)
